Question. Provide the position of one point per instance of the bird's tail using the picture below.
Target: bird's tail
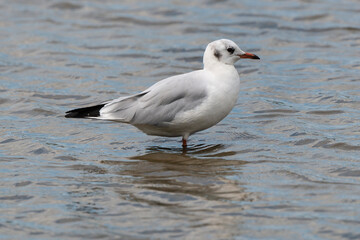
(93, 111)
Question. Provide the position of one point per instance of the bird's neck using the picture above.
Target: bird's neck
(219, 67)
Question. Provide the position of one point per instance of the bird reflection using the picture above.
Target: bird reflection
(192, 149)
(167, 176)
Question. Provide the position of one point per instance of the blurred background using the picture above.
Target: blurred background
(284, 164)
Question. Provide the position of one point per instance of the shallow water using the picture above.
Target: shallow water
(283, 165)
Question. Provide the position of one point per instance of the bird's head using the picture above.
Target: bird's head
(225, 51)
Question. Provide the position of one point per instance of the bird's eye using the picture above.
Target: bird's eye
(230, 50)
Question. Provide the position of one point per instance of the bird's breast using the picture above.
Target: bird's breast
(221, 97)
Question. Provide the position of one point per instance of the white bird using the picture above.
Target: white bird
(180, 105)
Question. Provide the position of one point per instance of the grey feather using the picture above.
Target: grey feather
(159, 104)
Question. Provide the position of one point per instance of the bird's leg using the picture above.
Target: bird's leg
(184, 140)
(184, 143)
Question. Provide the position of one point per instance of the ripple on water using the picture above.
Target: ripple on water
(287, 156)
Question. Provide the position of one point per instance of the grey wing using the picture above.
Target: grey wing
(122, 109)
(159, 104)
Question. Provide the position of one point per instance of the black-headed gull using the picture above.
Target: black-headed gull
(180, 105)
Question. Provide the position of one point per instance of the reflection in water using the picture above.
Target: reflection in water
(189, 186)
(177, 178)
(199, 148)
(287, 155)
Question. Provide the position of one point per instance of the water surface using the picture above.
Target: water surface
(283, 165)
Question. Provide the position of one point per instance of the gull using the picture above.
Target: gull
(183, 104)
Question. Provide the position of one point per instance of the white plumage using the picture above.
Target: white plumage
(183, 104)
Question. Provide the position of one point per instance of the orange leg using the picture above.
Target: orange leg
(184, 143)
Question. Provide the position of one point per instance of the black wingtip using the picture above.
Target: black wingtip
(93, 111)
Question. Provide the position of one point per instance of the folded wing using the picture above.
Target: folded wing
(159, 104)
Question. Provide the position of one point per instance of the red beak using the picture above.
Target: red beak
(249, 55)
